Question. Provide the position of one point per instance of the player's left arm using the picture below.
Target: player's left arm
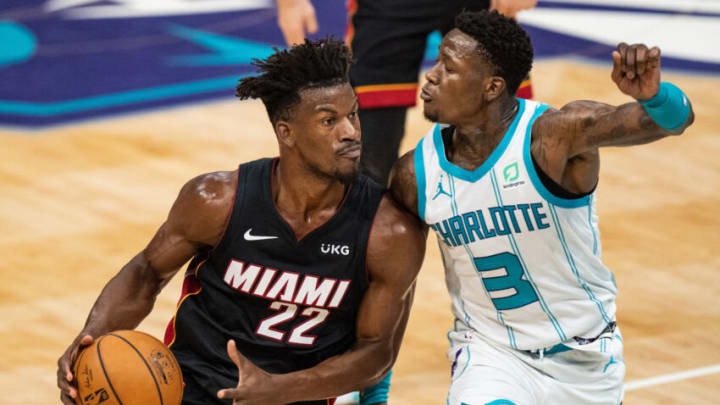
(566, 141)
(660, 109)
(394, 255)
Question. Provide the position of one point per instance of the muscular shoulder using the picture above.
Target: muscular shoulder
(403, 185)
(203, 206)
(557, 132)
(573, 118)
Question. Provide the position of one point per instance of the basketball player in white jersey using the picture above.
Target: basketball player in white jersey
(508, 186)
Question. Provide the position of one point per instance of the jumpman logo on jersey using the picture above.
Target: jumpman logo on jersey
(440, 190)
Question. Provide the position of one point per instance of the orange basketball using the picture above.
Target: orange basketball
(127, 367)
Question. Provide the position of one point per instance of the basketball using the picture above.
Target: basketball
(127, 367)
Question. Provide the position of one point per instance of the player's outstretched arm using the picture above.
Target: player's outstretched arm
(196, 220)
(661, 109)
(395, 253)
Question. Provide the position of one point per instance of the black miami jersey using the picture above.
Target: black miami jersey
(288, 304)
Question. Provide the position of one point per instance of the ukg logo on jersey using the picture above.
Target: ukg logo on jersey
(511, 173)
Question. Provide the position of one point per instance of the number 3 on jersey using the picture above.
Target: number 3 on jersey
(288, 311)
(507, 289)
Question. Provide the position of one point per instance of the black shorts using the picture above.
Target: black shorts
(388, 41)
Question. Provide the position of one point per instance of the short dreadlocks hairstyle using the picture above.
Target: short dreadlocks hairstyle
(502, 41)
(284, 74)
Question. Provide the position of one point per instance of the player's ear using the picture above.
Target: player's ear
(285, 134)
(494, 87)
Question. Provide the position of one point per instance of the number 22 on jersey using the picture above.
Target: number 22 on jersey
(288, 311)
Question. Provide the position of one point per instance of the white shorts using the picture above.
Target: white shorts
(484, 373)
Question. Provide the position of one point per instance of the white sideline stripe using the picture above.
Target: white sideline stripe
(682, 375)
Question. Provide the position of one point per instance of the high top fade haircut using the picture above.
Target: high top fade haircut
(284, 74)
(501, 41)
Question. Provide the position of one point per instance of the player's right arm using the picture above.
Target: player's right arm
(196, 221)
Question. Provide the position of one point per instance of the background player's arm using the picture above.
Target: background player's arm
(295, 19)
(196, 220)
(566, 141)
(395, 253)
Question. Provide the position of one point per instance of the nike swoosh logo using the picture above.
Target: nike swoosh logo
(249, 237)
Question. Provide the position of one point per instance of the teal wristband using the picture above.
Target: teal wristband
(378, 393)
(669, 108)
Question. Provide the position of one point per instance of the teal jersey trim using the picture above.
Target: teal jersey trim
(516, 249)
(475, 175)
(539, 186)
(573, 267)
(420, 178)
(592, 228)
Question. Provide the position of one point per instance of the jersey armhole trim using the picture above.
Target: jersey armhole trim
(420, 178)
(535, 179)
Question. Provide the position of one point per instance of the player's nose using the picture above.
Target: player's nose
(349, 131)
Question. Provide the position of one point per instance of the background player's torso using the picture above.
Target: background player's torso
(288, 303)
(522, 265)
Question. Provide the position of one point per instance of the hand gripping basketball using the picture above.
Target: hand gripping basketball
(636, 70)
(65, 378)
(255, 386)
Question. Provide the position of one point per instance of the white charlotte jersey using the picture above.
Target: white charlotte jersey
(522, 265)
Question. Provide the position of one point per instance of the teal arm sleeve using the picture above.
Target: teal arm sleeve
(378, 393)
(669, 108)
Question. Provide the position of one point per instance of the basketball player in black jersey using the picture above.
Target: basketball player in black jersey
(302, 271)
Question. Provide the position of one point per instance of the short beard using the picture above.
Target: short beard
(344, 178)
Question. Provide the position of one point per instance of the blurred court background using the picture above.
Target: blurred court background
(108, 107)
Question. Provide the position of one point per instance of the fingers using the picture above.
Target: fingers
(641, 54)
(230, 393)
(66, 400)
(617, 72)
(293, 33)
(233, 353)
(653, 58)
(64, 373)
(86, 340)
(634, 60)
(311, 24)
(630, 59)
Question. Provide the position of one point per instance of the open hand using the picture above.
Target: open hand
(636, 70)
(68, 390)
(255, 386)
(296, 18)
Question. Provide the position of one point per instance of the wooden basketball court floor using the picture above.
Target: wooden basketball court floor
(76, 202)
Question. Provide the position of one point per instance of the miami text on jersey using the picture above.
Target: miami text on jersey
(287, 286)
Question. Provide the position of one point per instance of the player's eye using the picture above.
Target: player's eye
(329, 122)
(352, 115)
